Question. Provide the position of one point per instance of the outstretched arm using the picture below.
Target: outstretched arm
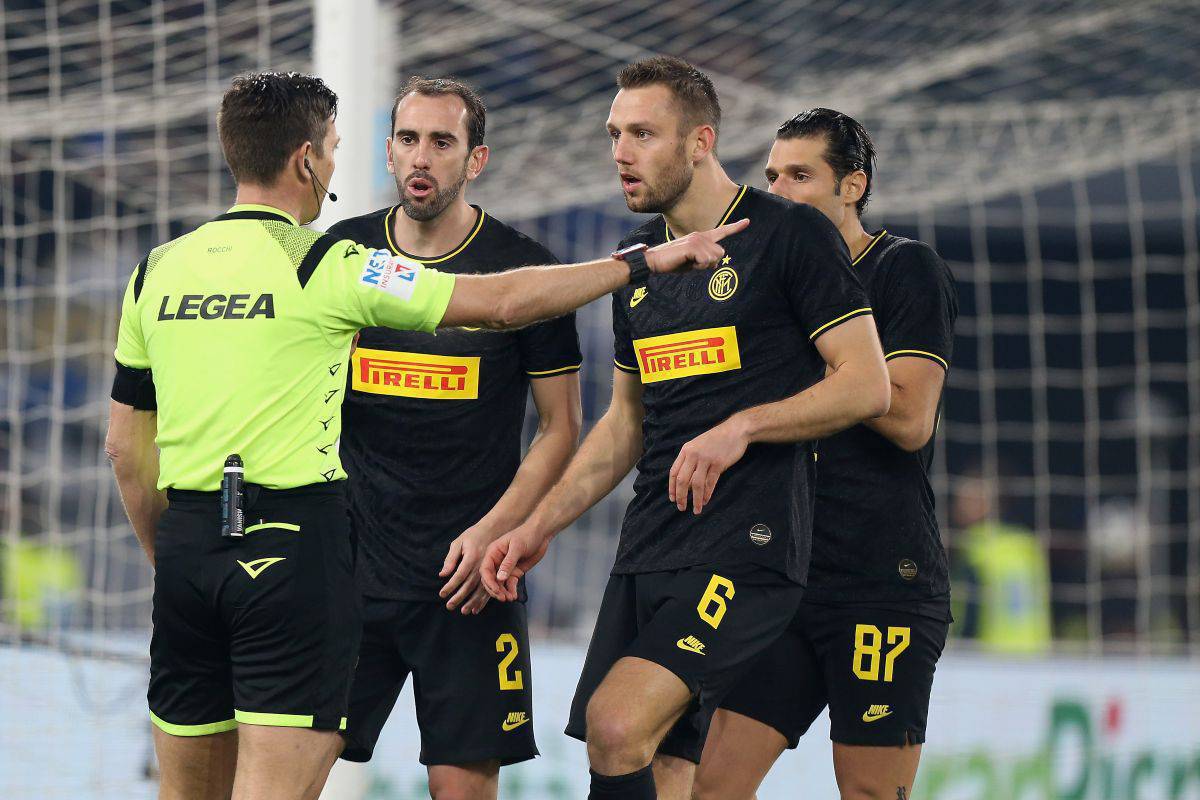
(522, 296)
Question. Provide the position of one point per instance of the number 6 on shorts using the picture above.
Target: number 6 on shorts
(712, 604)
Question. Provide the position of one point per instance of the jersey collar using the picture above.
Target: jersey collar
(252, 211)
(868, 248)
(737, 198)
(481, 215)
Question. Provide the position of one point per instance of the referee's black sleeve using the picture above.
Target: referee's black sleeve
(134, 387)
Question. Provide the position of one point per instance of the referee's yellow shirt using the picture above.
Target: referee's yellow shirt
(245, 325)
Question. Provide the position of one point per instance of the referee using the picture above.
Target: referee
(231, 342)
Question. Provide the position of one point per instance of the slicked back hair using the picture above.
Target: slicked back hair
(438, 87)
(848, 146)
(693, 90)
(265, 116)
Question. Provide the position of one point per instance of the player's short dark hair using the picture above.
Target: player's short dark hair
(848, 146)
(436, 87)
(265, 116)
(693, 90)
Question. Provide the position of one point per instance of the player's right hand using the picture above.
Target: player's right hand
(697, 250)
(510, 557)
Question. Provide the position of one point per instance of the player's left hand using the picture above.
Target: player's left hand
(700, 463)
(462, 568)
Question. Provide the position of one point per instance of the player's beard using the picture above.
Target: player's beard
(667, 188)
(430, 207)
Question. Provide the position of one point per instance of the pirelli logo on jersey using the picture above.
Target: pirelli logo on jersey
(416, 374)
(682, 355)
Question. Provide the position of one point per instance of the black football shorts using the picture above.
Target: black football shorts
(261, 629)
(871, 665)
(705, 624)
(471, 680)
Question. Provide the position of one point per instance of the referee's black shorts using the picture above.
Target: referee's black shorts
(262, 629)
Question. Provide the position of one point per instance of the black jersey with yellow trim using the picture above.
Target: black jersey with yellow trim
(876, 535)
(711, 343)
(432, 423)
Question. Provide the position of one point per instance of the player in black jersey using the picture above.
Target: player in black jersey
(432, 442)
(874, 618)
(717, 392)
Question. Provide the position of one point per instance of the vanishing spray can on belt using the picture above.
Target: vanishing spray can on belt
(232, 484)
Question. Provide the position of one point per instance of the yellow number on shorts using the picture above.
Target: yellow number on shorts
(898, 637)
(868, 644)
(712, 604)
(867, 641)
(508, 642)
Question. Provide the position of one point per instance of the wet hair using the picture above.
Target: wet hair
(848, 146)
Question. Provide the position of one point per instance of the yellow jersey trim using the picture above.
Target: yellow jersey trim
(728, 212)
(387, 228)
(625, 368)
(193, 730)
(561, 370)
(874, 242)
(855, 313)
(919, 354)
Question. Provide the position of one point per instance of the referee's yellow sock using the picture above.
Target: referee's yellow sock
(632, 786)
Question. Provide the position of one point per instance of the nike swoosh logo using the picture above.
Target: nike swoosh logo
(683, 645)
(328, 476)
(332, 392)
(325, 450)
(506, 726)
(869, 717)
(333, 370)
(325, 422)
(638, 296)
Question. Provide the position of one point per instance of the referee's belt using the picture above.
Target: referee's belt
(252, 492)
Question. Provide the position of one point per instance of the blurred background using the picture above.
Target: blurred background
(1050, 152)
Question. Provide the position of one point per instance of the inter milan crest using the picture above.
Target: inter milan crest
(723, 283)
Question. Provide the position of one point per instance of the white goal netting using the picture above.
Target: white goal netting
(1050, 152)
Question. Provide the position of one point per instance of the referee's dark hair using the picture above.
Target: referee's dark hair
(265, 116)
(434, 87)
(848, 146)
(693, 89)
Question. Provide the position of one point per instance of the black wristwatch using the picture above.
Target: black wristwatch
(635, 257)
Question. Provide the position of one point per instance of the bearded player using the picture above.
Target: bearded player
(432, 438)
(718, 390)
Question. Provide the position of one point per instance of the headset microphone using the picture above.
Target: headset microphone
(313, 175)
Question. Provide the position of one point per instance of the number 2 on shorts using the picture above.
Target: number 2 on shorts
(868, 644)
(712, 603)
(508, 642)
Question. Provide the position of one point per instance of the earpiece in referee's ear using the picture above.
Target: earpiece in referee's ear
(313, 175)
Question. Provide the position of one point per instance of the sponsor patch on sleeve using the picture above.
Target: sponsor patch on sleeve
(395, 275)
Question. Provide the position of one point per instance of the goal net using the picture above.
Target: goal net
(1050, 152)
